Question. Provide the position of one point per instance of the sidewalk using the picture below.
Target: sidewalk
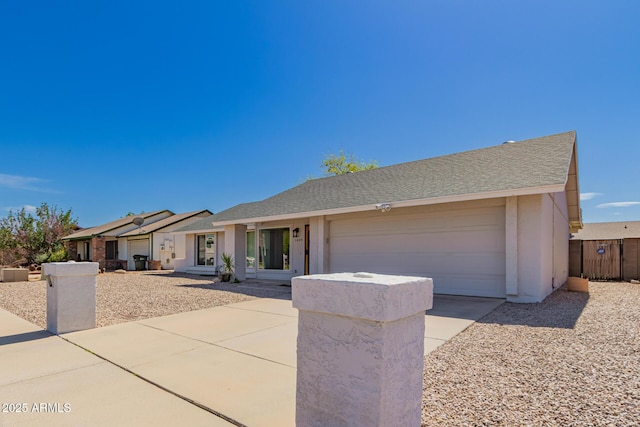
(237, 360)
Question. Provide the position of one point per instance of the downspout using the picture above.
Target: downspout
(511, 246)
(553, 243)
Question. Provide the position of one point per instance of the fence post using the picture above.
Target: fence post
(71, 296)
(360, 349)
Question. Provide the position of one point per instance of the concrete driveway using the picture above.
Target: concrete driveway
(230, 364)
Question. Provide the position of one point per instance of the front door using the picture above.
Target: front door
(86, 251)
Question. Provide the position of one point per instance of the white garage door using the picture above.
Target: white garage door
(137, 247)
(461, 249)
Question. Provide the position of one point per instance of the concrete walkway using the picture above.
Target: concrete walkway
(236, 361)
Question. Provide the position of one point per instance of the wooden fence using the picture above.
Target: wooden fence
(601, 259)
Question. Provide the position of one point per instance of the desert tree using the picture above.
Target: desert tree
(339, 164)
(35, 239)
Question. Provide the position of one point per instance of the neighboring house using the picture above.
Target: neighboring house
(158, 237)
(114, 244)
(491, 222)
(606, 250)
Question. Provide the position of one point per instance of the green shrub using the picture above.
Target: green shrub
(59, 255)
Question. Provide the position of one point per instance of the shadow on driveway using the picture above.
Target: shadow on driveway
(278, 289)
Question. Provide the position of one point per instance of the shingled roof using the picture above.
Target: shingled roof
(204, 224)
(608, 231)
(108, 228)
(531, 166)
(164, 223)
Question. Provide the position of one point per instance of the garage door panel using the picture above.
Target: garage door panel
(488, 219)
(425, 263)
(480, 282)
(463, 251)
(465, 284)
(139, 247)
(411, 242)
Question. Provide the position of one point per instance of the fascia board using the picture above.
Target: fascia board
(555, 188)
(204, 230)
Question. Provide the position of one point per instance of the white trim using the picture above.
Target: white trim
(401, 204)
(200, 231)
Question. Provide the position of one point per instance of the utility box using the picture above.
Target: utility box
(71, 296)
(14, 275)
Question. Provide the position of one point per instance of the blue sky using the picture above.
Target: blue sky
(112, 106)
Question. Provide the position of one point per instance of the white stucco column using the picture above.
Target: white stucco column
(360, 349)
(235, 243)
(71, 296)
(319, 253)
(511, 245)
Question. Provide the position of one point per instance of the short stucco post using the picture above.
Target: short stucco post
(360, 349)
(71, 296)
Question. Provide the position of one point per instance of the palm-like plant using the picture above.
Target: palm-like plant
(227, 266)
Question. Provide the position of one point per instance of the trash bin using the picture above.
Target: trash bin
(141, 262)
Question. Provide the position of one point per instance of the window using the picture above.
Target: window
(206, 249)
(251, 249)
(274, 249)
(111, 249)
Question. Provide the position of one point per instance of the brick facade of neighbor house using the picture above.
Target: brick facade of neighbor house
(97, 254)
(98, 251)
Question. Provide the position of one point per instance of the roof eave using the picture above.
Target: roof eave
(200, 231)
(573, 192)
(554, 188)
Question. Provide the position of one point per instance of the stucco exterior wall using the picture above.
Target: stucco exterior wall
(561, 239)
(123, 250)
(179, 240)
(187, 258)
(543, 246)
(530, 263)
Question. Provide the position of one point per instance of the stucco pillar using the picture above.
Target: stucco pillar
(511, 245)
(71, 296)
(235, 243)
(360, 349)
(319, 253)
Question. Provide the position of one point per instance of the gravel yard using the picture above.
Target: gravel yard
(573, 360)
(139, 295)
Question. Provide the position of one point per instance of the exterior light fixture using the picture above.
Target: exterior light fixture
(295, 232)
(383, 207)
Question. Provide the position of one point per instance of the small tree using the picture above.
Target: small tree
(35, 239)
(341, 164)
